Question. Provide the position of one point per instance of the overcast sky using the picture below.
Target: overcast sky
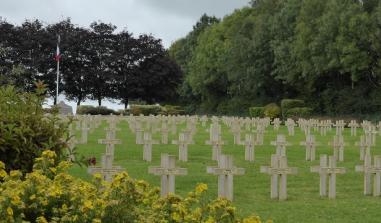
(165, 19)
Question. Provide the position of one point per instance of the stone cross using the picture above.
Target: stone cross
(370, 171)
(107, 170)
(225, 171)
(276, 123)
(85, 131)
(164, 132)
(183, 143)
(290, 127)
(339, 127)
(236, 130)
(370, 134)
(216, 143)
(139, 132)
(110, 142)
(310, 147)
(364, 146)
(353, 125)
(147, 146)
(249, 144)
(203, 120)
(260, 133)
(70, 148)
(167, 170)
(338, 147)
(280, 144)
(328, 170)
(278, 171)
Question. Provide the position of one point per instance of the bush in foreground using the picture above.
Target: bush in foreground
(25, 129)
(50, 194)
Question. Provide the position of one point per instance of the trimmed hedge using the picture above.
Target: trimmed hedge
(145, 109)
(91, 110)
(272, 110)
(287, 104)
(172, 110)
(257, 112)
(302, 112)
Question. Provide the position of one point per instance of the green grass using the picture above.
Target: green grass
(252, 190)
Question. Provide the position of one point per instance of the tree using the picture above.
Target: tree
(102, 42)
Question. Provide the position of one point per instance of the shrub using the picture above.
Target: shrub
(272, 110)
(50, 194)
(172, 110)
(25, 129)
(257, 112)
(145, 109)
(91, 110)
(287, 104)
(303, 112)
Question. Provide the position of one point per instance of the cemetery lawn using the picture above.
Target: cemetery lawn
(252, 190)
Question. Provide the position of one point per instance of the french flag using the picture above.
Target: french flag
(57, 56)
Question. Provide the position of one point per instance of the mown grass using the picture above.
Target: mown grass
(252, 190)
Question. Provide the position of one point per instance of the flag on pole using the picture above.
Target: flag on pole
(57, 56)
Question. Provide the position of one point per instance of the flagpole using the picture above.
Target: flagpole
(58, 79)
(58, 70)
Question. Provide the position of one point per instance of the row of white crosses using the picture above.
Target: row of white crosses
(225, 169)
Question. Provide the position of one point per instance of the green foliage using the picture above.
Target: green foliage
(272, 110)
(257, 112)
(145, 109)
(287, 104)
(50, 194)
(25, 130)
(321, 51)
(91, 110)
(172, 110)
(302, 112)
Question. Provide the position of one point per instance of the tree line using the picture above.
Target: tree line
(96, 62)
(325, 52)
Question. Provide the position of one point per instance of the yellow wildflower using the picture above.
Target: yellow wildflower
(201, 188)
(15, 200)
(41, 219)
(176, 217)
(10, 211)
(32, 197)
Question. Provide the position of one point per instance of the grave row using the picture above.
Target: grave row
(226, 170)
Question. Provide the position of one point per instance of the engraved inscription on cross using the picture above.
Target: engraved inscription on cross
(225, 171)
(167, 170)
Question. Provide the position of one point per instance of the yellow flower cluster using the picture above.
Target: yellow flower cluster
(50, 194)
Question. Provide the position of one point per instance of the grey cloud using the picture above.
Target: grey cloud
(165, 19)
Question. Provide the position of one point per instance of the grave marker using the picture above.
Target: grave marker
(328, 169)
(278, 171)
(225, 171)
(167, 170)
